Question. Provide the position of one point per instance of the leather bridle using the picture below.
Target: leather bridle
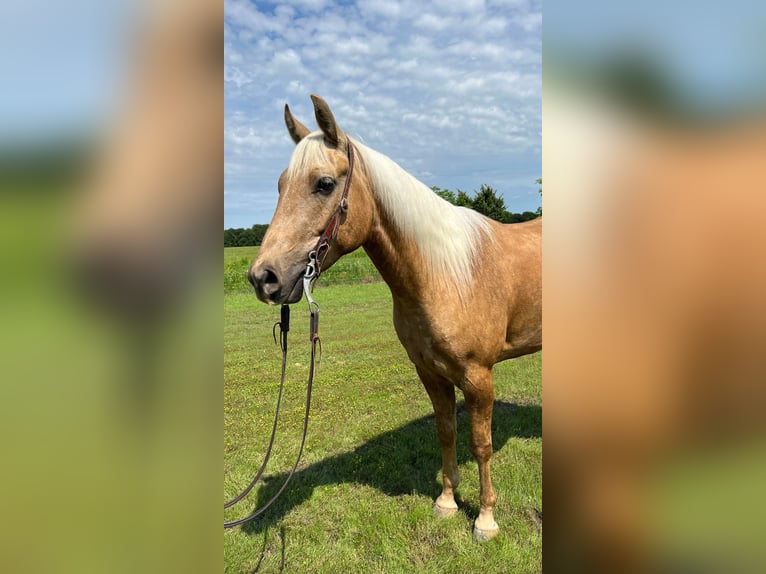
(319, 253)
(313, 270)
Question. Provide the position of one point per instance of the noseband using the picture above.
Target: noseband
(313, 270)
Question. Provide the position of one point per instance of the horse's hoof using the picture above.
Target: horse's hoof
(444, 511)
(482, 534)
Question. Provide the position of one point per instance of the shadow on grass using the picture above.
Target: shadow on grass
(402, 461)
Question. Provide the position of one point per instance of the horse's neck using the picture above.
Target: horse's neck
(396, 261)
(405, 233)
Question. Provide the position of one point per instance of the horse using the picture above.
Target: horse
(142, 232)
(466, 290)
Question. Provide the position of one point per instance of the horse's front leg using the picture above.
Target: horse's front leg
(479, 401)
(442, 394)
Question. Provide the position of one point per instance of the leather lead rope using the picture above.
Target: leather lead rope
(313, 270)
(284, 327)
(255, 514)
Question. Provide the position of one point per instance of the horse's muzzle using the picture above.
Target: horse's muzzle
(271, 288)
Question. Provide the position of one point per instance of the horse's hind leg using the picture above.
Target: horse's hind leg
(442, 395)
(479, 400)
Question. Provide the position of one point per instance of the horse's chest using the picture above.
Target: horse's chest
(428, 343)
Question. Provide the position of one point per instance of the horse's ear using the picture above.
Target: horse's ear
(326, 121)
(297, 130)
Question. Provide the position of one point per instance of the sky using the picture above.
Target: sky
(60, 67)
(450, 90)
(713, 52)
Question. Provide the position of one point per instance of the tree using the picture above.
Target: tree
(463, 199)
(529, 215)
(539, 181)
(490, 204)
(240, 237)
(259, 230)
(445, 194)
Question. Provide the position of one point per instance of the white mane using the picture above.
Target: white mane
(448, 237)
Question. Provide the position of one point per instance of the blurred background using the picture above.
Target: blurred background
(110, 215)
(654, 369)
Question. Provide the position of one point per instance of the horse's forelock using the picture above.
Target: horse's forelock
(309, 152)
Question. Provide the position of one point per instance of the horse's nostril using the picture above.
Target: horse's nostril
(264, 280)
(270, 278)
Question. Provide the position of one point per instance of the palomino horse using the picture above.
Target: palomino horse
(467, 291)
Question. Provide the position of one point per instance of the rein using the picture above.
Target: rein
(313, 270)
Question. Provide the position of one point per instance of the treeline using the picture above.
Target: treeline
(488, 202)
(241, 237)
(485, 200)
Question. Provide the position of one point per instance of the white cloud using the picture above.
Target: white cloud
(243, 13)
(386, 8)
(434, 22)
(234, 75)
(288, 61)
(451, 90)
(315, 5)
(529, 22)
(460, 6)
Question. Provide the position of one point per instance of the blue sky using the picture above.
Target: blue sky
(450, 89)
(712, 51)
(61, 65)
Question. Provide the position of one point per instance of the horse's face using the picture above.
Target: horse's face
(145, 224)
(310, 191)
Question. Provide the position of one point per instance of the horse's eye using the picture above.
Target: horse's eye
(325, 185)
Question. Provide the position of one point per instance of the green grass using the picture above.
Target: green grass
(355, 267)
(361, 499)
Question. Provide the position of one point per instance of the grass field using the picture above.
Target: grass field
(361, 499)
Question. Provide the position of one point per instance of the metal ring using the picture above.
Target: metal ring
(311, 267)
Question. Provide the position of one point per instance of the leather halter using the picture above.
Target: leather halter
(322, 247)
(319, 253)
(313, 270)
